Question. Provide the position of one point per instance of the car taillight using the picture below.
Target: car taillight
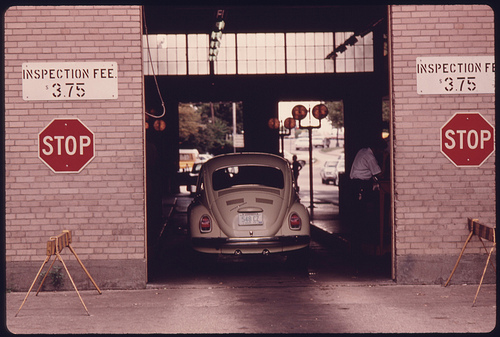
(295, 221)
(205, 224)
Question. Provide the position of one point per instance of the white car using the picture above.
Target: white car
(303, 142)
(340, 169)
(331, 171)
(246, 203)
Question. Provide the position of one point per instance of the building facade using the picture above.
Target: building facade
(104, 204)
(433, 197)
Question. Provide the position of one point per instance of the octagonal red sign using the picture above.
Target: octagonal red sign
(66, 145)
(467, 139)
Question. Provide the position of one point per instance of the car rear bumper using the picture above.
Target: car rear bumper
(253, 245)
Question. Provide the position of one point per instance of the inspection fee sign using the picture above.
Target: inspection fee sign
(69, 81)
(455, 75)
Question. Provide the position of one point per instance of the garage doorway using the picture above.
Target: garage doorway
(349, 62)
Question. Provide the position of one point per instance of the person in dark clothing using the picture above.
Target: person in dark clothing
(296, 167)
(364, 175)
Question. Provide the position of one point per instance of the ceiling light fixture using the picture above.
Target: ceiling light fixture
(351, 40)
(216, 37)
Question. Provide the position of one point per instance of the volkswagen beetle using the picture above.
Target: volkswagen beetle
(246, 203)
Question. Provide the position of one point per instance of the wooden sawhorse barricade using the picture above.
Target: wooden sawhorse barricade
(54, 247)
(482, 232)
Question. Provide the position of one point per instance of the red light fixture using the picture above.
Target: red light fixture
(320, 111)
(299, 112)
(289, 123)
(273, 123)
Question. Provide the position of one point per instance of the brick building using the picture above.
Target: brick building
(433, 197)
(104, 205)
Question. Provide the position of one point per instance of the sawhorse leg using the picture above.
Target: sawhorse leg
(459, 257)
(72, 282)
(46, 274)
(85, 269)
(484, 271)
(486, 250)
(34, 281)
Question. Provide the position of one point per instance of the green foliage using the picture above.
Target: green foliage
(189, 122)
(205, 126)
(221, 111)
(55, 277)
(215, 135)
(336, 113)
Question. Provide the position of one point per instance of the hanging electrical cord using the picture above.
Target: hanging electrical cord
(153, 70)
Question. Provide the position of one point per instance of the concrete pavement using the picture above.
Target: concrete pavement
(301, 306)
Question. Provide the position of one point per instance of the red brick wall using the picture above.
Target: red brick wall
(434, 197)
(103, 205)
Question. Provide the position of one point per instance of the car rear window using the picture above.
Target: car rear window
(247, 175)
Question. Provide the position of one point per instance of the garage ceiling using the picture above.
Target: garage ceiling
(201, 19)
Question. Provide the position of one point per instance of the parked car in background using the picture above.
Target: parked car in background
(193, 176)
(332, 169)
(339, 170)
(336, 137)
(189, 176)
(327, 172)
(187, 158)
(246, 203)
(203, 157)
(195, 171)
(303, 142)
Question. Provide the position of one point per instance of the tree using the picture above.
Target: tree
(221, 110)
(336, 113)
(336, 116)
(205, 126)
(201, 129)
(216, 133)
(189, 123)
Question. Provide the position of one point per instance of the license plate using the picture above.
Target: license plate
(248, 219)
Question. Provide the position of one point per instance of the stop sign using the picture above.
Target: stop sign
(66, 145)
(467, 139)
